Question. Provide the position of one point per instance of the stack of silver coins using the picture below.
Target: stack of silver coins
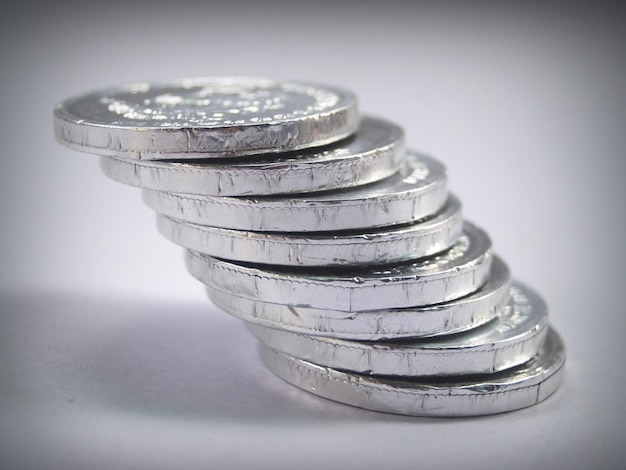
(344, 252)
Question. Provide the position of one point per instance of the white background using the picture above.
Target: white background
(112, 357)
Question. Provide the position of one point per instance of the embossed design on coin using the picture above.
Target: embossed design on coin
(211, 103)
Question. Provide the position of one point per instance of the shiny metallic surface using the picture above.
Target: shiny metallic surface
(205, 117)
(510, 340)
(373, 153)
(416, 191)
(376, 246)
(456, 396)
(459, 271)
(343, 251)
(451, 317)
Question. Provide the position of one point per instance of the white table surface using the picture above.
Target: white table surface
(111, 356)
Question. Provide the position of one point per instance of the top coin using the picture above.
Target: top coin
(205, 117)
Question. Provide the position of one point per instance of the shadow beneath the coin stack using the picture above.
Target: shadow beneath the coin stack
(148, 358)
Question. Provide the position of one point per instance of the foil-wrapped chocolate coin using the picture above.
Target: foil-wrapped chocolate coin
(451, 317)
(373, 153)
(416, 191)
(511, 339)
(382, 245)
(205, 117)
(456, 272)
(456, 396)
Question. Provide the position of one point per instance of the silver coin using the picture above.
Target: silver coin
(520, 387)
(375, 152)
(510, 340)
(451, 317)
(416, 191)
(376, 246)
(459, 271)
(205, 117)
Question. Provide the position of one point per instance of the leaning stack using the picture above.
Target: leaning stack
(345, 253)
